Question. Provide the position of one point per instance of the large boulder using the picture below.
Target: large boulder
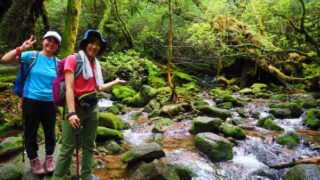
(217, 148)
(146, 152)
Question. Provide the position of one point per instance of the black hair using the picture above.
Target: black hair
(92, 39)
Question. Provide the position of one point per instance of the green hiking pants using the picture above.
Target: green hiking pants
(89, 120)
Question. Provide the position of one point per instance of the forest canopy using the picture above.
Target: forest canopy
(251, 40)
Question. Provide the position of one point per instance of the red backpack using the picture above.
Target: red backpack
(59, 85)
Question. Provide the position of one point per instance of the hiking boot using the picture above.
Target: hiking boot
(49, 164)
(36, 167)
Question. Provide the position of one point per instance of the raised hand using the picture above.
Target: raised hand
(28, 43)
(120, 81)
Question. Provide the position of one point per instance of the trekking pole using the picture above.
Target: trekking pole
(77, 177)
(22, 117)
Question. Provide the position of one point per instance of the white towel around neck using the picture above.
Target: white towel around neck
(87, 72)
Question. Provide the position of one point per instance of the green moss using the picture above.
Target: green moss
(111, 121)
(312, 118)
(290, 139)
(268, 123)
(120, 92)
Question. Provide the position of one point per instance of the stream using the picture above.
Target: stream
(251, 156)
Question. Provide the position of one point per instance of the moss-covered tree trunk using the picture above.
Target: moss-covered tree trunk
(15, 27)
(71, 27)
(174, 96)
(106, 16)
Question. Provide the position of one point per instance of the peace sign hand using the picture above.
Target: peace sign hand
(28, 43)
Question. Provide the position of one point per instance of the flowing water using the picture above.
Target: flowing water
(252, 156)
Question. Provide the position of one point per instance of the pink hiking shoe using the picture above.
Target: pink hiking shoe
(36, 167)
(49, 164)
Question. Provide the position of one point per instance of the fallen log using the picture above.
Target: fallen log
(314, 160)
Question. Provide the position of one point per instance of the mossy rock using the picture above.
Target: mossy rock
(104, 134)
(160, 124)
(110, 120)
(215, 112)
(215, 147)
(268, 123)
(233, 131)
(280, 112)
(113, 109)
(290, 139)
(246, 91)
(312, 118)
(120, 92)
(303, 172)
(205, 124)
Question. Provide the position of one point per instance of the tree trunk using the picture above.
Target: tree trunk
(15, 27)
(123, 26)
(71, 27)
(106, 16)
(174, 95)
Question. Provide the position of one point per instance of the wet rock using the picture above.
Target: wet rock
(217, 148)
(160, 123)
(113, 147)
(242, 113)
(233, 131)
(280, 113)
(312, 118)
(303, 172)
(155, 170)
(290, 139)
(294, 108)
(268, 123)
(146, 152)
(205, 124)
(184, 172)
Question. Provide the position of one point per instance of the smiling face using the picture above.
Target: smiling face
(50, 46)
(92, 47)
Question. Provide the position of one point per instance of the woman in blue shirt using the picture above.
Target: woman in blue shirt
(38, 106)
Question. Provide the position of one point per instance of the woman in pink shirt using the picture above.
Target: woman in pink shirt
(82, 104)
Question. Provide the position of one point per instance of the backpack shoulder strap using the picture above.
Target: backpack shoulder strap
(32, 62)
(79, 65)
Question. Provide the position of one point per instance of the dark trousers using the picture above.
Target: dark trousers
(34, 112)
